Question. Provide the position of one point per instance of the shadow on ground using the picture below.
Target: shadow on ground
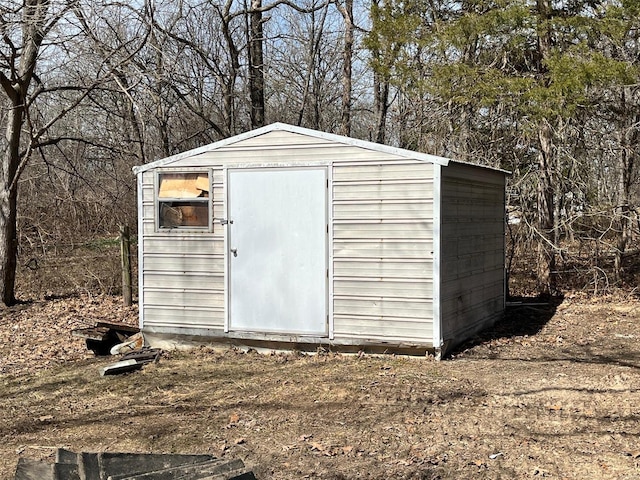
(524, 316)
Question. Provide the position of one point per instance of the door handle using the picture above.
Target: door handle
(234, 251)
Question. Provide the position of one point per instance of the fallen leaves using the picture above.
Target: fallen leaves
(482, 464)
(318, 447)
(38, 336)
(322, 448)
(556, 415)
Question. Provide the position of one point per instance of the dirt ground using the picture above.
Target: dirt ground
(550, 392)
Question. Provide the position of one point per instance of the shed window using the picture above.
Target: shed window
(183, 200)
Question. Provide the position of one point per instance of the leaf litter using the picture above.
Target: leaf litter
(513, 403)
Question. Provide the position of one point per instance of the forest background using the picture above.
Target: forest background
(546, 89)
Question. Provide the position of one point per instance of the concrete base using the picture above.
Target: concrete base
(175, 340)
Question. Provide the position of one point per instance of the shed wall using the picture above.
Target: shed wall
(182, 273)
(473, 250)
(381, 241)
(383, 250)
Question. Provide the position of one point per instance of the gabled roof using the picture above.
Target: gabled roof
(293, 129)
(377, 147)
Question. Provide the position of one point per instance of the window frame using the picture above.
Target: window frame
(158, 201)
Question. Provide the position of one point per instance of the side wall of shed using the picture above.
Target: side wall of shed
(473, 250)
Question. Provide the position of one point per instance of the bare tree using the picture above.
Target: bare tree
(24, 29)
(304, 66)
(629, 155)
(30, 31)
(256, 64)
(347, 66)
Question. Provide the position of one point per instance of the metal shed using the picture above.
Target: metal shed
(290, 236)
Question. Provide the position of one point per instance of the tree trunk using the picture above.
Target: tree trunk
(630, 139)
(313, 54)
(545, 216)
(347, 64)
(125, 258)
(15, 87)
(8, 206)
(546, 264)
(307, 79)
(381, 105)
(229, 106)
(256, 65)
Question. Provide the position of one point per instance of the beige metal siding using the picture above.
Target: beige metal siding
(279, 139)
(148, 209)
(282, 149)
(383, 250)
(183, 272)
(472, 265)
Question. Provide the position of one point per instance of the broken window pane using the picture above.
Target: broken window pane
(184, 185)
(183, 200)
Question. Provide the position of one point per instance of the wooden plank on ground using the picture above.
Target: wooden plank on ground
(29, 469)
(124, 366)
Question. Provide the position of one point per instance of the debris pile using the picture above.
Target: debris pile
(69, 465)
(118, 339)
(104, 336)
(132, 361)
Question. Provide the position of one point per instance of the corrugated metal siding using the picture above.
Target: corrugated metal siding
(183, 272)
(148, 209)
(382, 221)
(284, 148)
(383, 250)
(277, 139)
(472, 265)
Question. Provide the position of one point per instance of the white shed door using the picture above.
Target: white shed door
(278, 250)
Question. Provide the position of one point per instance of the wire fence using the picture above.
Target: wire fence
(94, 267)
(63, 269)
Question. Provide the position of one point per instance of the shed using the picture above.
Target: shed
(300, 238)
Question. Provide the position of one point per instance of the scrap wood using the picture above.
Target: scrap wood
(69, 465)
(131, 362)
(121, 327)
(146, 355)
(100, 329)
(90, 333)
(123, 366)
(103, 336)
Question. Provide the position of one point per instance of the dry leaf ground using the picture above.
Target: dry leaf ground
(549, 393)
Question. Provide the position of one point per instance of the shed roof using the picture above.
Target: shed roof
(377, 147)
